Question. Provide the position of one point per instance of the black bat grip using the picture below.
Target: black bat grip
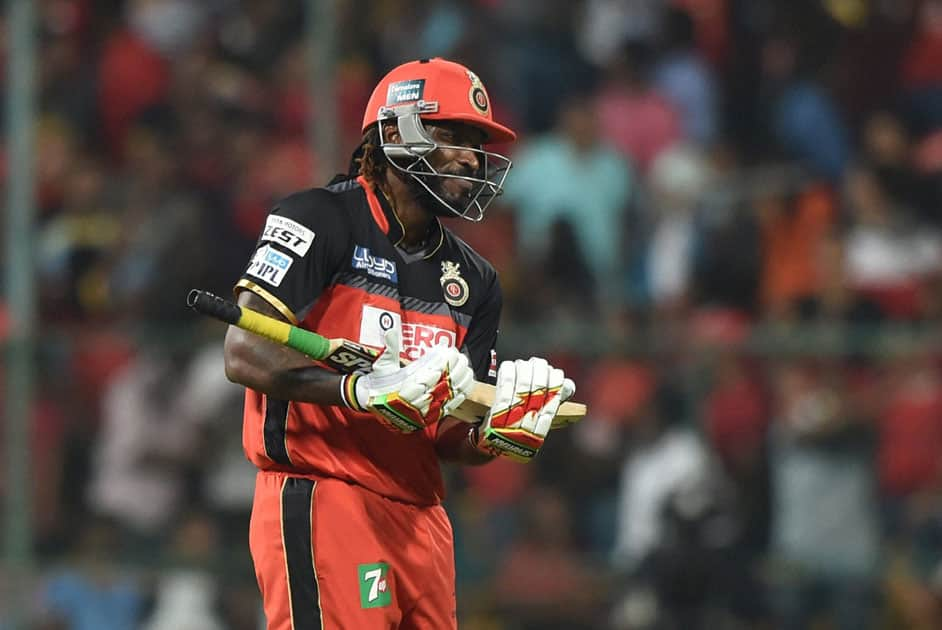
(206, 303)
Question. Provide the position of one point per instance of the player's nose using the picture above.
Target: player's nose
(469, 160)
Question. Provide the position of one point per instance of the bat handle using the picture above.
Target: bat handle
(206, 303)
(309, 343)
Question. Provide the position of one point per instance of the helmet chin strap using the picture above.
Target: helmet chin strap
(415, 147)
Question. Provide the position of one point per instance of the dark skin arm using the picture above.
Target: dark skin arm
(454, 446)
(273, 369)
(287, 374)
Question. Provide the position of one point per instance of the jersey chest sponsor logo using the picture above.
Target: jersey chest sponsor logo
(270, 265)
(417, 338)
(288, 233)
(375, 266)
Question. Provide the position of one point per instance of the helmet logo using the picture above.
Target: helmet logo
(405, 91)
(477, 95)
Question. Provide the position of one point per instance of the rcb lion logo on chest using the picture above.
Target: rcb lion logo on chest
(454, 286)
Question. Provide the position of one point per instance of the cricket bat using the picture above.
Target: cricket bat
(344, 355)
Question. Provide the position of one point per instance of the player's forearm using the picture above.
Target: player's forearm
(470, 455)
(277, 371)
(273, 369)
(454, 446)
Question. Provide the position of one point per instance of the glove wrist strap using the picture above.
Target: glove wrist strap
(348, 391)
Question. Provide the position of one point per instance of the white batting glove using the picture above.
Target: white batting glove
(526, 400)
(411, 397)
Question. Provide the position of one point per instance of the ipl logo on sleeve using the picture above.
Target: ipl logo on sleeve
(270, 265)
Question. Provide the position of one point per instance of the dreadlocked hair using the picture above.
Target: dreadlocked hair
(369, 160)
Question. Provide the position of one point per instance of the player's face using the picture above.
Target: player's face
(451, 159)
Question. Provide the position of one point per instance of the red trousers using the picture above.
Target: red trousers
(331, 555)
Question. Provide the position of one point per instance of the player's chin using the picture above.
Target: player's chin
(441, 210)
(456, 186)
(458, 202)
(456, 199)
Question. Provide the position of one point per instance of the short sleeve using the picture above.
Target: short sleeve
(300, 249)
(480, 344)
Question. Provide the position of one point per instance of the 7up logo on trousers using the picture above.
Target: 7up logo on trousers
(374, 585)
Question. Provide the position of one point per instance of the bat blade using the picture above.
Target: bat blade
(344, 355)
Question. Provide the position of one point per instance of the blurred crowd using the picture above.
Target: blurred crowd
(724, 220)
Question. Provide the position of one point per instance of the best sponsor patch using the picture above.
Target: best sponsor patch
(376, 266)
(270, 265)
(288, 233)
(405, 91)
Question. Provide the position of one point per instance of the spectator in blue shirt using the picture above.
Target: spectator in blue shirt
(570, 174)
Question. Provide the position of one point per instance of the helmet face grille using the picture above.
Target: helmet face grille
(410, 157)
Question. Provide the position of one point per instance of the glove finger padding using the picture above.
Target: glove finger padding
(539, 382)
(565, 388)
(462, 382)
(439, 389)
(410, 398)
(505, 391)
(526, 400)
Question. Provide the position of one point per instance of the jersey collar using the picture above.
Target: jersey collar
(385, 217)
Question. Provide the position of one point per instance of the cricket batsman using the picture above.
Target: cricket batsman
(347, 527)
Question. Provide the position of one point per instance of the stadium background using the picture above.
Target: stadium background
(723, 221)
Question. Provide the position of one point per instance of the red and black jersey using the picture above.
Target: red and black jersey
(328, 260)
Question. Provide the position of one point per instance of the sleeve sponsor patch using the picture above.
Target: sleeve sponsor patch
(288, 233)
(269, 265)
